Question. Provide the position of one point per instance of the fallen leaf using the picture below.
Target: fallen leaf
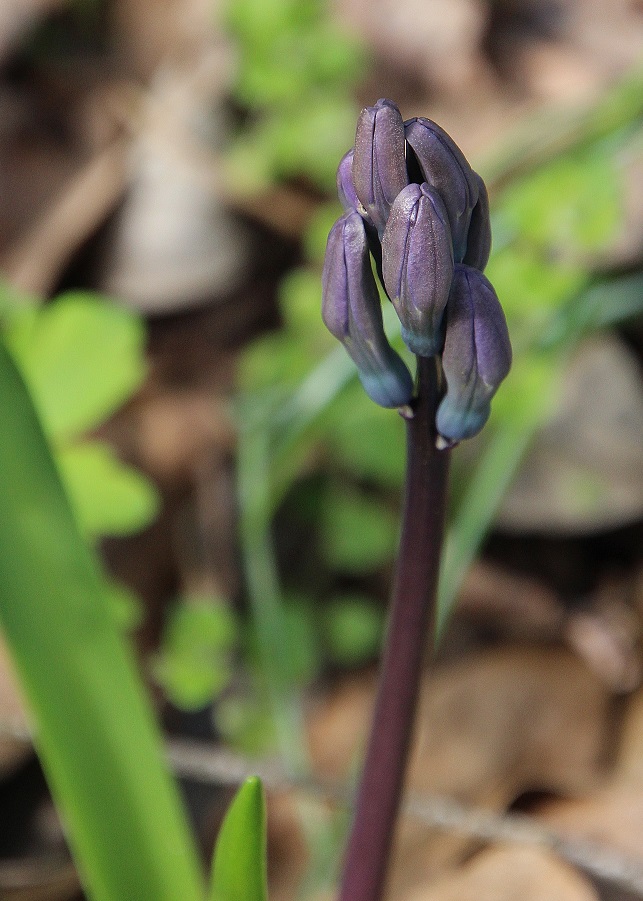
(490, 727)
(583, 471)
(509, 874)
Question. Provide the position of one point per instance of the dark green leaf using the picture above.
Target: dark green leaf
(358, 533)
(353, 628)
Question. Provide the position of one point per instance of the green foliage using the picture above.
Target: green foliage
(247, 721)
(352, 629)
(95, 730)
(366, 439)
(82, 357)
(571, 205)
(358, 533)
(555, 222)
(195, 662)
(296, 71)
(108, 497)
(239, 864)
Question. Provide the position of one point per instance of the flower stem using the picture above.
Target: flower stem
(411, 626)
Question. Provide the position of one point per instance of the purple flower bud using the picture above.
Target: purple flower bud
(352, 312)
(443, 165)
(479, 235)
(345, 187)
(379, 162)
(476, 356)
(417, 266)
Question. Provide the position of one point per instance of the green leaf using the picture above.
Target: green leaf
(125, 606)
(239, 864)
(352, 627)
(358, 533)
(248, 723)
(605, 304)
(108, 497)
(96, 736)
(572, 203)
(530, 287)
(81, 356)
(301, 637)
(317, 231)
(304, 659)
(367, 440)
(194, 663)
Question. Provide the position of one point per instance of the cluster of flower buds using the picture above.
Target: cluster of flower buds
(414, 204)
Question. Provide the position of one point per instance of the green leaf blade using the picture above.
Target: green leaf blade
(239, 864)
(95, 730)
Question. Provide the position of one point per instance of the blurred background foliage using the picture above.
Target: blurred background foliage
(168, 177)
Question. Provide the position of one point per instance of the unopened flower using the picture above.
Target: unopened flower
(479, 234)
(379, 161)
(476, 356)
(352, 312)
(443, 165)
(417, 265)
(345, 187)
(413, 201)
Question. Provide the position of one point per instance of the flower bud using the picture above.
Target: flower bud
(345, 187)
(379, 162)
(443, 165)
(479, 234)
(417, 266)
(476, 355)
(352, 312)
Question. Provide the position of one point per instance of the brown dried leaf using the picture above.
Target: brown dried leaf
(509, 874)
(490, 727)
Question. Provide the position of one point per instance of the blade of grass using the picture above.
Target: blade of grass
(264, 590)
(95, 731)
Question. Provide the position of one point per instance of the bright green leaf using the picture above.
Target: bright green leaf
(81, 356)
(530, 287)
(194, 663)
(125, 606)
(239, 865)
(574, 203)
(109, 498)
(96, 736)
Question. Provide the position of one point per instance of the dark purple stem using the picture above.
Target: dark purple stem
(410, 630)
